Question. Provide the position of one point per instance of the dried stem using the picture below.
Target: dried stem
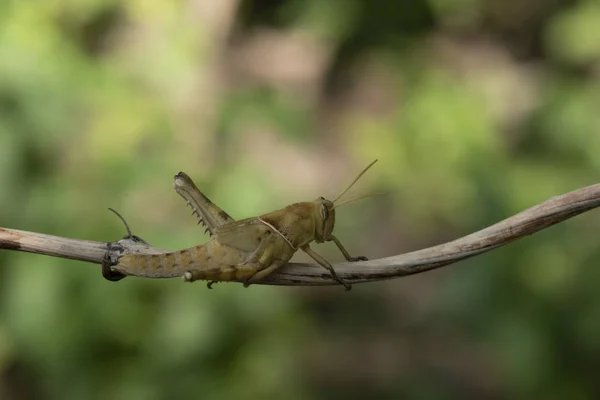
(534, 219)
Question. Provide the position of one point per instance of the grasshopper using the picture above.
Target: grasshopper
(247, 250)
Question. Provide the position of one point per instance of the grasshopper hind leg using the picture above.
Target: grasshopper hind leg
(266, 260)
(264, 272)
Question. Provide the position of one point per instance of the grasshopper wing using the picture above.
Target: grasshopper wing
(211, 216)
(245, 234)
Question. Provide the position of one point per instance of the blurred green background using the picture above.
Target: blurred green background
(476, 110)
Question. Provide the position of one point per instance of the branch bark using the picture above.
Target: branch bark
(534, 219)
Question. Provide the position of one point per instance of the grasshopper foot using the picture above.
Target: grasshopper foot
(359, 258)
(210, 283)
(347, 286)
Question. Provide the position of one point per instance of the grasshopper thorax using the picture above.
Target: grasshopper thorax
(324, 217)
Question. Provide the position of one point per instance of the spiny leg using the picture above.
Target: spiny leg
(325, 264)
(347, 255)
(211, 216)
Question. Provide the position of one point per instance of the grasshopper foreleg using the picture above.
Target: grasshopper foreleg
(347, 255)
(325, 264)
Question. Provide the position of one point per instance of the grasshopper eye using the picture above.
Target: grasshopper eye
(324, 212)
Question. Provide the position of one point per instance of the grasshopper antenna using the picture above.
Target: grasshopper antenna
(360, 198)
(353, 182)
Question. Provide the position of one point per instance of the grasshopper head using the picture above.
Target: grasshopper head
(324, 217)
(324, 210)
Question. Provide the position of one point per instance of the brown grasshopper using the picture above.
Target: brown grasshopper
(247, 250)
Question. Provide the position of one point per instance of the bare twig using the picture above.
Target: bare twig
(534, 219)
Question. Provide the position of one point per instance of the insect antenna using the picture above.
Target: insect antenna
(129, 234)
(360, 198)
(124, 222)
(353, 182)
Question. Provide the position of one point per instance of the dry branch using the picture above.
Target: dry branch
(534, 219)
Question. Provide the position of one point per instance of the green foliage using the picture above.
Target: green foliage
(475, 110)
